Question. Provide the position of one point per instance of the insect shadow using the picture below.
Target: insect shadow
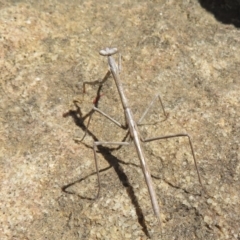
(113, 161)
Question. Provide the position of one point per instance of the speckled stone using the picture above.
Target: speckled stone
(48, 178)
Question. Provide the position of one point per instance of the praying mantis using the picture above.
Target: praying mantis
(132, 126)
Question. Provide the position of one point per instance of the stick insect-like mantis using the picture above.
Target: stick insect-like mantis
(132, 127)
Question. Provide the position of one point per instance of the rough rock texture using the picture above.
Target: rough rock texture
(175, 48)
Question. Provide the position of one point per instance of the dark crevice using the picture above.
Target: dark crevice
(225, 11)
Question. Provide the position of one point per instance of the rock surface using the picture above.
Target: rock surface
(48, 178)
